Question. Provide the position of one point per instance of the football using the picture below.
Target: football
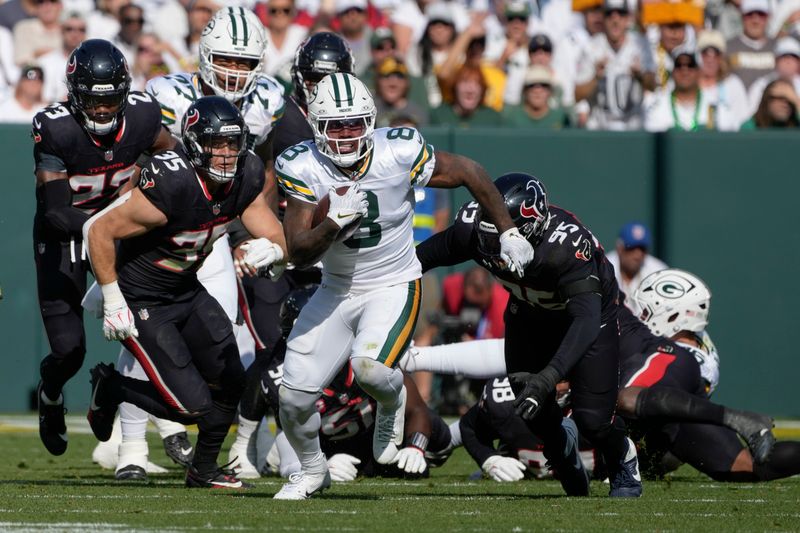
(321, 213)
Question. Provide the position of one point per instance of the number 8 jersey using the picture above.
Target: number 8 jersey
(381, 251)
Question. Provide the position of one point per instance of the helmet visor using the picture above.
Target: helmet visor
(100, 108)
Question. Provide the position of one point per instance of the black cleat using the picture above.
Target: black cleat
(756, 430)
(179, 449)
(102, 407)
(626, 482)
(52, 428)
(221, 478)
(131, 473)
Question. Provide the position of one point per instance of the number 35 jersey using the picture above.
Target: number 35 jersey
(381, 251)
(161, 265)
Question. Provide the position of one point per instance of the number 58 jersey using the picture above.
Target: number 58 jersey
(381, 251)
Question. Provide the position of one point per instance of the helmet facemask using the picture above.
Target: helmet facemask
(347, 150)
(231, 84)
(219, 156)
(99, 123)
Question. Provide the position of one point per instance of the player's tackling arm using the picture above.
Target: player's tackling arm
(131, 218)
(261, 222)
(453, 170)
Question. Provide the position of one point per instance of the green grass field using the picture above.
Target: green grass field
(39, 492)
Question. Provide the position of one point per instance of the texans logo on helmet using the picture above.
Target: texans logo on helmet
(537, 208)
(71, 65)
(191, 119)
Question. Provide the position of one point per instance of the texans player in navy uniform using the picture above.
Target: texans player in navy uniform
(348, 416)
(561, 320)
(180, 335)
(321, 54)
(520, 452)
(85, 151)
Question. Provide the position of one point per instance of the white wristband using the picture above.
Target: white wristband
(111, 294)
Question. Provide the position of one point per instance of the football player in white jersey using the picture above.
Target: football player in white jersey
(367, 305)
(232, 49)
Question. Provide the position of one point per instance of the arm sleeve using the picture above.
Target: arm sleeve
(477, 436)
(54, 202)
(446, 248)
(584, 309)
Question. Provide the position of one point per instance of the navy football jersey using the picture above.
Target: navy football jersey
(646, 359)
(567, 252)
(96, 166)
(161, 265)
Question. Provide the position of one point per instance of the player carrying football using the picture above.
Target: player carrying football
(368, 303)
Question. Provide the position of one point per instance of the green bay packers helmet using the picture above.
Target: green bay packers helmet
(341, 112)
(233, 32)
(673, 300)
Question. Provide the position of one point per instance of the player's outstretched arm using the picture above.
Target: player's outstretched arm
(128, 217)
(266, 252)
(453, 170)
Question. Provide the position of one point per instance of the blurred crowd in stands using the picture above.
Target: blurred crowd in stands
(598, 64)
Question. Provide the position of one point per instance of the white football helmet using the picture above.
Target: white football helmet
(673, 300)
(232, 32)
(341, 100)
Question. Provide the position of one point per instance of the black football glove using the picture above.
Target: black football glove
(535, 390)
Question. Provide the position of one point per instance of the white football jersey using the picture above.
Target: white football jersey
(261, 109)
(708, 359)
(381, 251)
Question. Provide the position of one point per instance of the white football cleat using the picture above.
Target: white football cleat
(389, 428)
(106, 454)
(242, 459)
(302, 485)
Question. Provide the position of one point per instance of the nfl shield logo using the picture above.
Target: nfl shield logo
(215, 209)
(143, 314)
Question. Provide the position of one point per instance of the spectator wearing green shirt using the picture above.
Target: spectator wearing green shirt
(467, 109)
(778, 108)
(536, 110)
(392, 87)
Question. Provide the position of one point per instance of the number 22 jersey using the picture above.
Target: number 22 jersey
(381, 251)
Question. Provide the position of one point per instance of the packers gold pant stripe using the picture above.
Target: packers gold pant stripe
(403, 330)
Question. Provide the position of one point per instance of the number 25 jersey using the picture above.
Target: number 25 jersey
(381, 251)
